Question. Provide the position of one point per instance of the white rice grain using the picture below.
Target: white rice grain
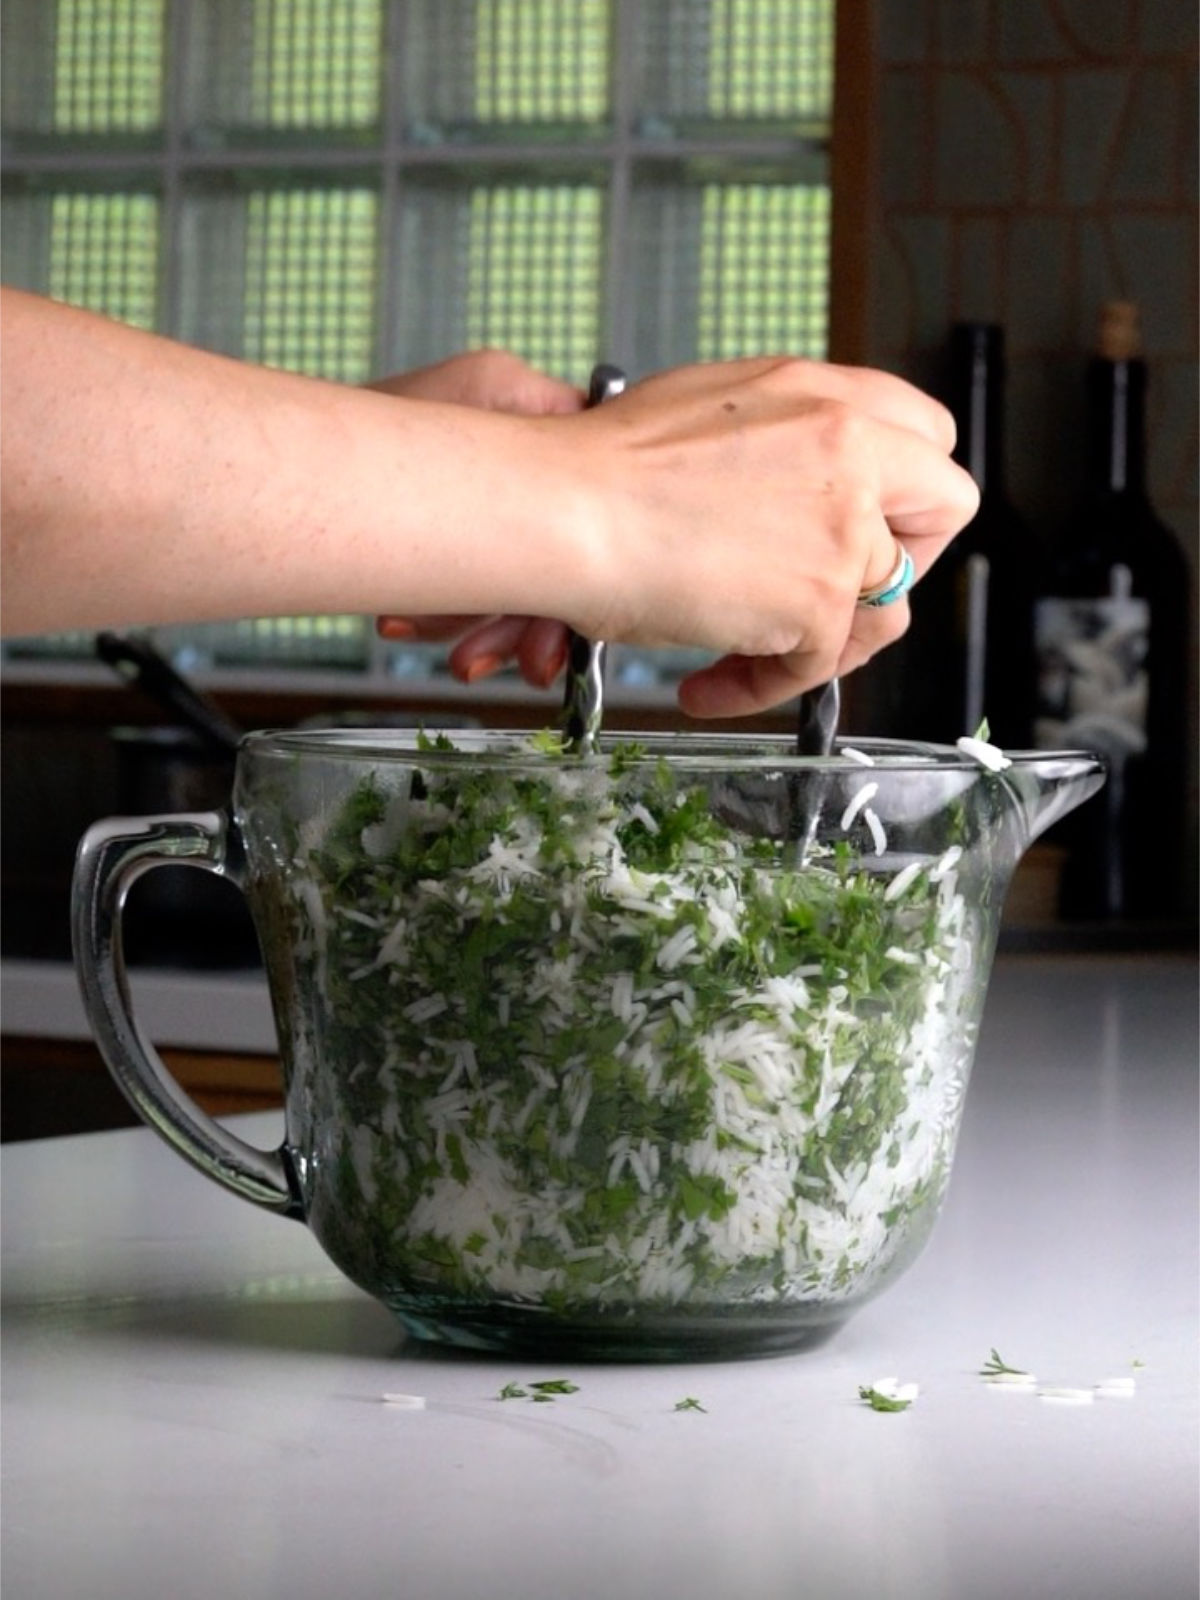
(987, 755)
(677, 948)
(622, 996)
(1116, 1389)
(861, 798)
(428, 1007)
(946, 863)
(908, 958)
(903, 879)
(875, 827)
(1063, 1396)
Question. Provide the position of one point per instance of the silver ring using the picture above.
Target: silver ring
(897, 583)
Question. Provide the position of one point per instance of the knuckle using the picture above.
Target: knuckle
(944, 424)
(498, 363)
(775, 639)
(790, 373)
(842, 430)
(970, 497)
(860, 504)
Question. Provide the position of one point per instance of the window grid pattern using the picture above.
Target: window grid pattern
(316, 63)
(104, 254)
(541, 60)
(763, 270)
(309, 281)
(770, 58)
(232, 226)
(752, 61)
(108, 65)
(534, 265)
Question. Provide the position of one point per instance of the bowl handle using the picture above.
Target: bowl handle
(112, 856)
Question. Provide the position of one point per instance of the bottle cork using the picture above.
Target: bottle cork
(1119, 337)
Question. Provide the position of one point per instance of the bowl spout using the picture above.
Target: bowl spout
(1046, 789)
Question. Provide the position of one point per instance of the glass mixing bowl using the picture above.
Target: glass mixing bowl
(660, 1054)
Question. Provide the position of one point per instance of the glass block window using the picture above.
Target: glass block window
(346, 188)
(108, 65)
(315, 63)
(340, 643)
(732, 61)
(541, 60)
(104, 254)
(763, 270)
(534, 266)
(309, 302)
(770, 58)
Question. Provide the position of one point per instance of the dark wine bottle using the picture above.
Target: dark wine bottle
(969, 651)
(1111, 634)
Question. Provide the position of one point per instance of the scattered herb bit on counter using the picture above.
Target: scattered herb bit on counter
(996, 1370)
(544, 1389)
(1137, 1363)
(879, 1399)
(690, 1403)
(600, 1047)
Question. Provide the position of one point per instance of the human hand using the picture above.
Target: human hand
(494, 380)
(819, 468)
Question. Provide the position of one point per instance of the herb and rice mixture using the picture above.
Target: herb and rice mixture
(598, 1047)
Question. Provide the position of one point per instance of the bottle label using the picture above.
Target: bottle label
(1093, 682)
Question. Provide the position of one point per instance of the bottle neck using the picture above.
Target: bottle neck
(1116, 440)
(976, 398)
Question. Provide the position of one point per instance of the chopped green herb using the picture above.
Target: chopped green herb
(543, 1390)
(689, 1403)
(597, 1042)
(983, 732)
(994, 1367)
(878, 1401)
(1136, 1362)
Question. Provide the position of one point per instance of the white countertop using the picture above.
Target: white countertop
(193, 1397)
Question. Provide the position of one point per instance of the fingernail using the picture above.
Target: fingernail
(481, 667)
(551, 668)
(396, 628)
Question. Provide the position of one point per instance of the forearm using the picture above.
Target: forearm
(143, 480)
